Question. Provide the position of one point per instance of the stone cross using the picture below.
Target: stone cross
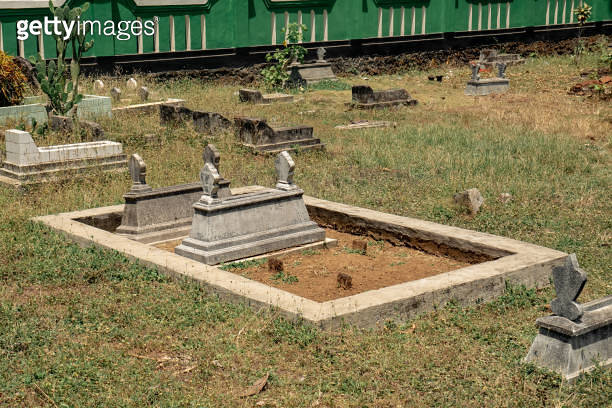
(138, 172)
(321, 54)
(569, 280)
(116, 94)
(284, 172)
(501, 70)
(210, 183)
(476, 72)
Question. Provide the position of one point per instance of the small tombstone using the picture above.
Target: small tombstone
(285, 167)
(116, 94)
(321, 54)
(143, 92)
(569, 280)
(98, 85)
(210, 178)
(212, 156)
(345, 281)
(275, 265)
(470, 199)
(138, 172)
(131, 84)
(360, 245)
(476, 72)
(501, 70)
(151, 139)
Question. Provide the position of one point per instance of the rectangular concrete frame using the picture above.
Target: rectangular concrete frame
(517, 262)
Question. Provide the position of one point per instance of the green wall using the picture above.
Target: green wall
(240, 23)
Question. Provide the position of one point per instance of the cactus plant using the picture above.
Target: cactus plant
(53, 77)
(12, 81)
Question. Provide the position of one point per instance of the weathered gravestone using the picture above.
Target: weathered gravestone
(203, 122)
(143, 93)
(256, 97)
(364, 97)
(115, 94)
(311, 73)
(477, 86)
(257, 135)
(577, 336)
(27, 163)
(230, 228)
(131, 84)
(489, 58)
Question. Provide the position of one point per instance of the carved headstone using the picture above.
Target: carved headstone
(321, 54)
(501, 70)
(143, 92)
(115, 94)
(476, 72)
(138, 172)
(210, 183)
(212, 156)
(569, 280)
(285, 167)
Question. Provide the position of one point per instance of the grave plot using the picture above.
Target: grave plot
(311, 73)
(256, 97)
(364, 97)
(485, 86)
(325, 279)
(27, 163)
(258, 136)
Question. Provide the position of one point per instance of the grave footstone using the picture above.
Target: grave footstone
(143, 93)
(138, 172)
(116, 94)
(131, 84)
(284, 172)
(211, 155)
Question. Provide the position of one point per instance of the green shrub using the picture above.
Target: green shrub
(276, 75)
(12, 81)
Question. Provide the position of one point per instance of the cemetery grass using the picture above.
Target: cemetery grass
(86, 327)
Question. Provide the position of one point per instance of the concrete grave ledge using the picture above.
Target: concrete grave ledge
(504, 260)
(256, 97)
(257, 135)
(150, 107)
(487, 86)
(27, 163)
(364, 97)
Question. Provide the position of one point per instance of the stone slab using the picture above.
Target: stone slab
(487, 86)
(150, 107)
(309, 74)
(255, 96)
(505, 260)
(366, 125)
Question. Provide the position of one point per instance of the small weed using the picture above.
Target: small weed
(285, 277)
(243, 264)
(329, 85)
(397, 263)
(309, 252)
(353, 251)
(285, 331)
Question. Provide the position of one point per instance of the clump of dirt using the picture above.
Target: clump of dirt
(600, 86)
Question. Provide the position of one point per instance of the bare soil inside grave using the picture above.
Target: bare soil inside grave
(317, 270)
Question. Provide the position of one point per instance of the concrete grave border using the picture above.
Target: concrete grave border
(505, 259)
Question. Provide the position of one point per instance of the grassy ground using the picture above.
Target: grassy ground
(85, 327)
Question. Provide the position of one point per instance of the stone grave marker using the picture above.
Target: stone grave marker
(116, 94)
(364, 97)
(131, 84)
(479, 86)
(143, 93)
(577, 336)
(257, 135)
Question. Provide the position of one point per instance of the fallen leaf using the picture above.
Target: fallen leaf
(257, 387)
